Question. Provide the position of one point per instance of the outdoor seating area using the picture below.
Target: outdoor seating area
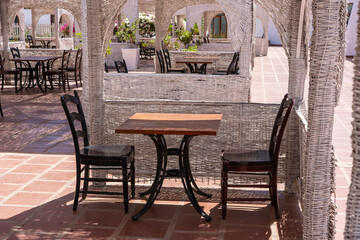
(169, 120)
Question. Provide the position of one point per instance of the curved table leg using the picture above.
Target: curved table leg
(160, 144)
(187, 178)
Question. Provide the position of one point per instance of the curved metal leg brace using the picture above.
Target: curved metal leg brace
(185, 169)
(160, 144)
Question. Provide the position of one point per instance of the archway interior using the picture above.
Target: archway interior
(219, 26)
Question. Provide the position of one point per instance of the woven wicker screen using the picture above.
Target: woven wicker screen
(352, 227)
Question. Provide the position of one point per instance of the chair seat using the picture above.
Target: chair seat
(69, 69)
(245, 157)
(220, 73)
(10, 71)
(53, 72)
(104, 152)
(177, 70)
(36, 46)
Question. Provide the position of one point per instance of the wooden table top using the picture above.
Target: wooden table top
(35, 58)
(171, 123)
(196, 60)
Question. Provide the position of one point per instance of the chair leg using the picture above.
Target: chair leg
(76, 80)
(132, 178)
(224, 187)
(2, 81)
(1, 112)
(86, 182)
(275, 195)
(77, 189)
(125, 187)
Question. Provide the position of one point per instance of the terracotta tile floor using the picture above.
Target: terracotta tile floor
(37, 178)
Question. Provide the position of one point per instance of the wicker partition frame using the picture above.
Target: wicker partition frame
(352, 226)
(246, 125)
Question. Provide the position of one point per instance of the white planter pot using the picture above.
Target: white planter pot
(131, 56)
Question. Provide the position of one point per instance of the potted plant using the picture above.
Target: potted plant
(127, 33)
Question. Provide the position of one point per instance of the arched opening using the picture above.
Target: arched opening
(219, 26)
(259, 30)
(15, 29)
(44, 26)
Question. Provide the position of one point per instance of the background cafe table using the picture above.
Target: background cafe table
(156, 125)
(39, 61)
(45, 41)
(197, 60)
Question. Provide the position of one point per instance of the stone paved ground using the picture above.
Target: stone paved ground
(37, 178)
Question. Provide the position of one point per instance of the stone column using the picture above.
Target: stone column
(4, 14)
(33, 23)
(173, 24)
(93, 68)
(131, 8)
(178, 21)
(56, 28)
(22, 25)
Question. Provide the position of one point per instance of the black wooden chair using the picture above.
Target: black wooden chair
(256, 162)
(121, 66)
(14, 72)
(1, 112)
(233, 67)
(169, 69)
(97, 157)
(31, 42)
(61, 73)
(106, 68)
(161, 61)
(76, 69)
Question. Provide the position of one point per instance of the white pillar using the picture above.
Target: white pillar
(33, 23)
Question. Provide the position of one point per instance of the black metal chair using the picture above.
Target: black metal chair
(169, 69)
(24, 67)
(161, 61)
(31, 42)
(256, 162)
(61, 73)
(121, 66)
(76, 69)
(233, 67)
(4, 72)
(97, 157)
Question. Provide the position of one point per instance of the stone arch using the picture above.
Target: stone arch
(209, 16)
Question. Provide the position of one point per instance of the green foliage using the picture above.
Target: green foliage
(192, 48)
(108, 50)
(195, 30)
(170, 28)
(127, 32)
(219, 35)
(185, 37)
(176, 45)
(166, 42)
(78, 37)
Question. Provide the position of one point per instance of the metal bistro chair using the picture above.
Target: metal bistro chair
(24, 67)
(76, 69)
(169, 69)
(4, 72)
(233, 67)
(256, 162)
(31, 42)
(161, 61)
(121, 66)
(97, 157)
(61, 72)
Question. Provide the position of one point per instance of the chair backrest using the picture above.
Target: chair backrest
(279, 126)
(78, 60)
(167, 59)
(233, 64)
(161, 61)
(15, 52)
(106, 67)
(65, 60)
(76, 115)
(121, 66)
(1, 63)
(30, 40)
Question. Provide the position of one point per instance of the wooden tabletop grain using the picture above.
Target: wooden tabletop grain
(171, 123)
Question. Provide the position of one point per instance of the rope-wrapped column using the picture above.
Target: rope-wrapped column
(297, 75)
(93, 62)
(318, 211)
(352, 227)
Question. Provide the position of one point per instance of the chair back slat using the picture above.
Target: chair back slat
(121, 66)
(161, 61)
(65, 60)
(78, 60)
(167, 58)
(279, 126)
(1, 63)
(77, 115)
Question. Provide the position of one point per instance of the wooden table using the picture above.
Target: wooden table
(156, 125)
(204, 61)
(39, 62)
